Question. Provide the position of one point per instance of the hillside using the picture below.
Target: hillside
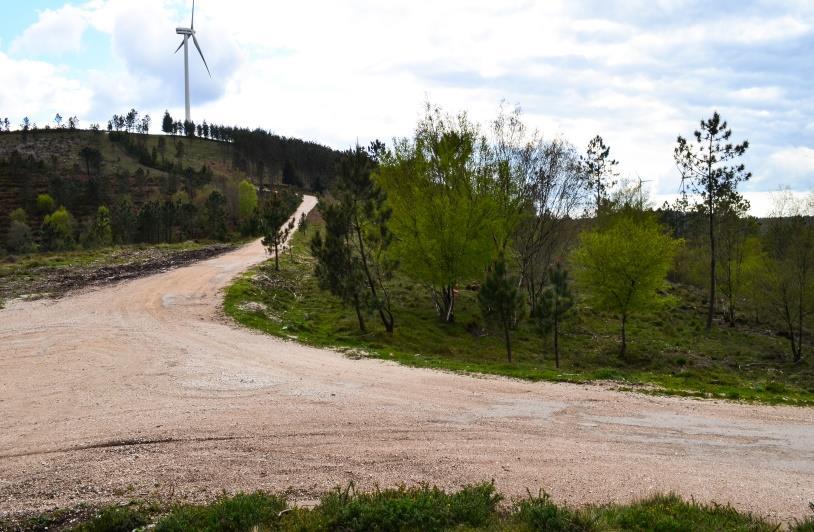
(144, 168)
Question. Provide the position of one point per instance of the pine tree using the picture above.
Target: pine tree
(704, 168)
(599, 169)
(364, 201)
(337, 268)
(276, 232)
(556, 305)
(500, 300)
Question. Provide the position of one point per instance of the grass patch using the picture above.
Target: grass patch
(116, 519)
(424, 508)
(669, 351)
(228, 514)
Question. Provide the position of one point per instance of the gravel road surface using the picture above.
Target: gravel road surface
(143, 389)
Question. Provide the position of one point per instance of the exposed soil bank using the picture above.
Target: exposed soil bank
(50, 281)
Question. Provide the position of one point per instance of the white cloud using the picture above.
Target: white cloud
(55, 32)
(40, 90)
(639, 73)
(758, 94)
(796, 162)
(144, 39)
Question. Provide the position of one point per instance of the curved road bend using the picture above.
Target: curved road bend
(141, 389)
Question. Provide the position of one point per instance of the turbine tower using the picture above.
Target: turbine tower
(187, 33)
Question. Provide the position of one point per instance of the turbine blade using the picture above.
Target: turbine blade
(195, 40)
(180, 45)
(192, 24)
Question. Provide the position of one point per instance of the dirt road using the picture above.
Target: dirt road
(141, 389)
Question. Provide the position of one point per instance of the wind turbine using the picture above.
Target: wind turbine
(187, 33)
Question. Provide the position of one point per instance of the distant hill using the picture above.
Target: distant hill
(83, 169)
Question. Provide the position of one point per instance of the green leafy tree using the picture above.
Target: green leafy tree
(437, 186)
(246, 200)
(337, 268)
(599, 170)
(501, 301)
(45, 204)
(623, 265)
(555, 306)
(19, 238)
(275, 230)
(707, 171)
(58, 230)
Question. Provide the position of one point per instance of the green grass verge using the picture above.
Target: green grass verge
(669, 353)
(423, 508)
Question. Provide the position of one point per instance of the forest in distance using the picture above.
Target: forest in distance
(68, 188)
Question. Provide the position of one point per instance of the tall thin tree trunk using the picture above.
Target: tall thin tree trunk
(508, 341)
(793, 345)
(357, 307)
(532, 295)
(712, 262)
(798, 355)
(556, 341)
(448, 304)
(384, 313)
(276, 258)
(624, 338)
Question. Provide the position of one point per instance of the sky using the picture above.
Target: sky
(637, 72)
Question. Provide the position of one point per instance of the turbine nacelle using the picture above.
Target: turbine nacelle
(184, 31)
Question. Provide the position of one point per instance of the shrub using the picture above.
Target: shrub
(540, 513)
(18, 215)
(100, 232)
(237, 513)
(45, 204)
(19, 238)
(115, 520)
(776, 387)
(58, 230)
(420, 508)
(670, 512)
